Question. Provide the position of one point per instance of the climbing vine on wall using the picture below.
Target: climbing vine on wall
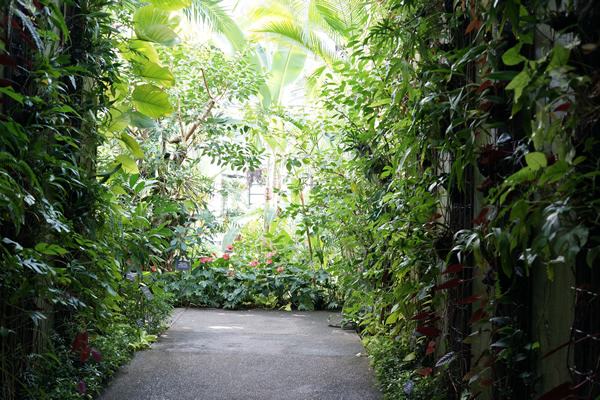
(472, 130)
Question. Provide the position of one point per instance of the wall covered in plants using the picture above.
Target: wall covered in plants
(462, 190)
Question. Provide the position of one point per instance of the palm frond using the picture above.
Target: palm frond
(288, 32)
(211, 13)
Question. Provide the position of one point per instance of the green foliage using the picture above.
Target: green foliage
(396, 361)
(442, 108)
(58, 378)
(233, 282)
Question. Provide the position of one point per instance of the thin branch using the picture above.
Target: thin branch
(206, 83)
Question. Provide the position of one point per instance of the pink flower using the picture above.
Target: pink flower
(279, 269)
(271, 254)
(153, 268)
(96, 355)
(209, 259)
(269, 261)
(229, 247)
(230, 273)
(203, 260)
(254, 263)
(225, 256)
(81, 387)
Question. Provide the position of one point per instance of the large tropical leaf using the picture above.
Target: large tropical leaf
(127, 163)
(117, 119)
(156, 25)
(155, 73)
(287, 65)
(129, 143)
(151, 101)
(140, 120)
(138, 51)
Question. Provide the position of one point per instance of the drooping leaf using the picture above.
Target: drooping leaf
(452, 283)
(80, 341)
(430, 348)
(132, 145)
(156, 25)
(555, 172)
(536, 160)
(563, 107)
(453, 269)
(421, 316)
(85, 353)
(139, 51)
(161, 34)
(468, 300)
(141, 121)
(513, 56)
(128, 164)
(286, 66)
(477, 316)
(151, 101)
(559, 58)
(446, 359)
(155, 73)
(519, 83)
(429, 331)
(116, 120)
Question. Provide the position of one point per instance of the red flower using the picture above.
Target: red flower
(203, 260)
(214, 255)
(229, 247)
(225, 256)
(279, 269)
(269, 261)
(153, 268)
(230, 273)
(254, 263)
(209, 259)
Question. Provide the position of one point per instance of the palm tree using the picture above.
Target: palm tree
(321, 27)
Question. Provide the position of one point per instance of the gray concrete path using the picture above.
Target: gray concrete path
(257, 354)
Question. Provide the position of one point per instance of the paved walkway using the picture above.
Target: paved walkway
(245, 355)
